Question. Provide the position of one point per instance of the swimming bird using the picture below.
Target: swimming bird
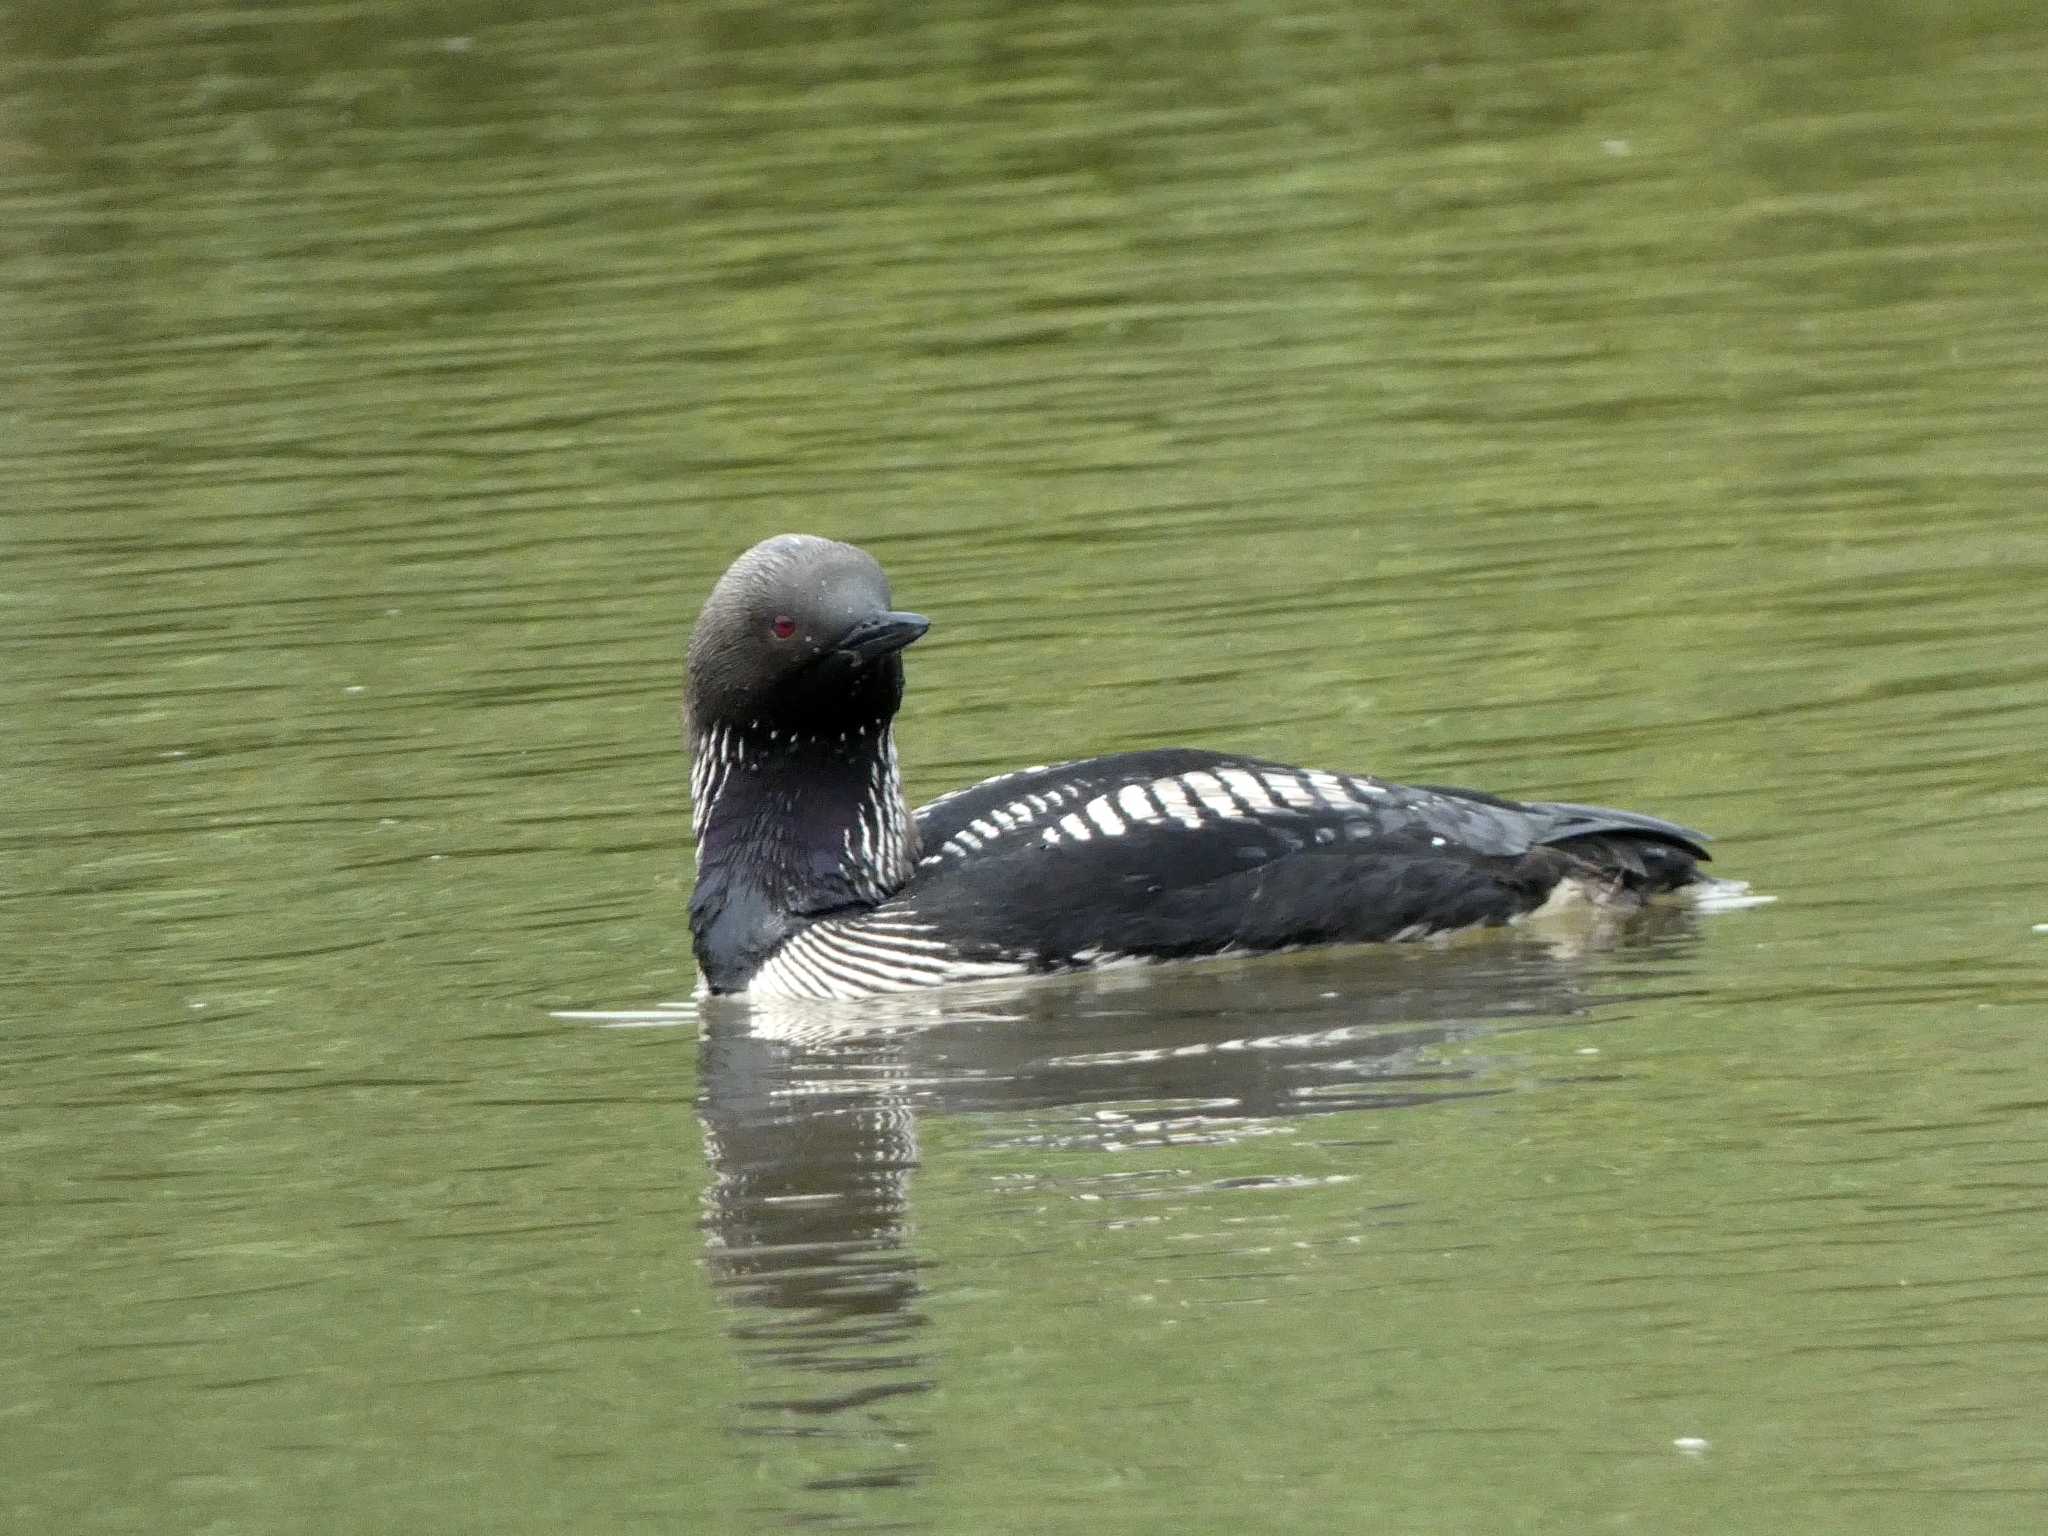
(816, 879)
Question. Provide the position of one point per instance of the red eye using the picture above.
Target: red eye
(784, 626)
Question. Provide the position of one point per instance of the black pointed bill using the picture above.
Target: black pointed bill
(882, 635)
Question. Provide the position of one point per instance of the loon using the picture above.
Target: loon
(815, 879)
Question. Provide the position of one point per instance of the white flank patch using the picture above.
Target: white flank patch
(1175, 802)
(1098, 811)
(1248, 789)
(1135, 804)
(1198, 799)
(1336, 789)
(1208, 789)
(1291, 792)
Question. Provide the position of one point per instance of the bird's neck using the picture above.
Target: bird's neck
(790, 828)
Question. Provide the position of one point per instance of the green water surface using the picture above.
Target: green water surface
(1639, 403)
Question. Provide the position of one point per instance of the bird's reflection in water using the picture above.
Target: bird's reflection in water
(810, 1122)
(811, 1152)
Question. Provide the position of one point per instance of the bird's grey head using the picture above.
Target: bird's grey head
(798, 636)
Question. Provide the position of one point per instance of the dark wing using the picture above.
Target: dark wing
(1564, 821)
(1176, 853)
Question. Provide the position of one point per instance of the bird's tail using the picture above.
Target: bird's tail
(1642, 854)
